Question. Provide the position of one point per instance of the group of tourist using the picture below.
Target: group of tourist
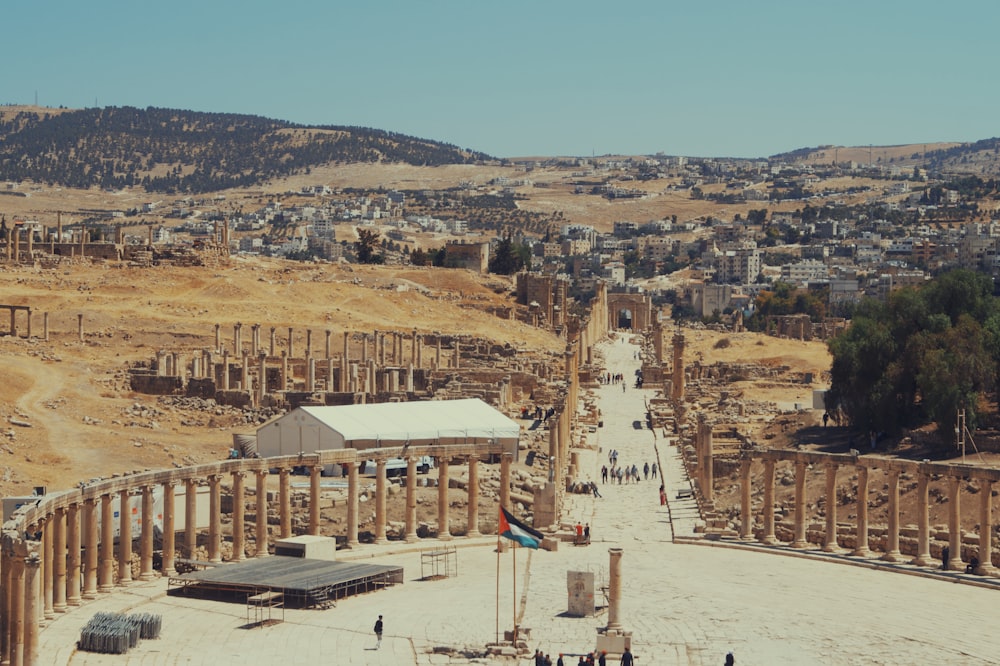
(608, 378)
(626, 473)
(587, 659)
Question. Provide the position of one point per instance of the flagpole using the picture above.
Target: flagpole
(498, 585)
(514, 551)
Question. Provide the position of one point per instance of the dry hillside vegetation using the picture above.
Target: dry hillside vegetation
(85, 422)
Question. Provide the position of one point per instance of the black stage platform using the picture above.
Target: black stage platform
(303, 582)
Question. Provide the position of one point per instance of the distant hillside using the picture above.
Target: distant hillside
(171, 150)
(978, 158)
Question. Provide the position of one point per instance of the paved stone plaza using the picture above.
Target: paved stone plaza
(684, 603)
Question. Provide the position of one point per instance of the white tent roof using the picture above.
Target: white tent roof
(422, 420)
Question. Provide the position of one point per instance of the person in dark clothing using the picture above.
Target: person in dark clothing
(378, 632)
(627, 659)
(730, 660)
(603, 659)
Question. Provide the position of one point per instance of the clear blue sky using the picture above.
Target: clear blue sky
(547, 77)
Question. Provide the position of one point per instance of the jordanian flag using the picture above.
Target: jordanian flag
(515, 530)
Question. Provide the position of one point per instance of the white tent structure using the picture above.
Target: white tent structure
(388, 424)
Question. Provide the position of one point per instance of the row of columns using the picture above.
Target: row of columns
(396, 347)
(75, 557)
(892, 551)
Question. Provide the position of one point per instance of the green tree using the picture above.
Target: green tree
(506, 260)
(419, 258)
(364, 248)
(920, 357)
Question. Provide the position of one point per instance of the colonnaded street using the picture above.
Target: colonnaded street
(684, 603)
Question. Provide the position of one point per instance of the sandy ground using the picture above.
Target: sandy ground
(74, 395)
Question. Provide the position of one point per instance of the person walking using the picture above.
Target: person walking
(378, 632)
(645, 471)
(627, 659)
(653, 470)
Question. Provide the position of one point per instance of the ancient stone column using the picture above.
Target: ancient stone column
(615, 589)
(955, 523)
(6, 585)
(254, 339)
(291, 347)
(91, 542)
(473, 491)
(830, 506)
(411, 500)
(191, 518)
(444, 531)
(314, 493)
(329, 348)
(146, 535)
(309, 342)
(555, 464)
(505, 463)
(437, 358)
(31, 597)
(457, 362)
(239, 510)
(261, 528)
(45, 326)
(746, 506)
(345, 362)
(380, 491)
(59, 561)
(420, 352)
(261, 378)
(218, 338)
(892, 553)
(79, 327)
(800, 505)
(677, 378)
(167, 567)
(214, 518)
(47, 552)
(17, 610)
(923, 557)
(284, 371)
(105, 574)
(73, 555)
(861, 547)
(237, 339)
(311, 375)
(225, 369)
(705, 462)
(409, 378)
(413, 347)
(985, 567)
(125, 538)
(245, 375)
(768, 537)
(271, 352)
(284, 503)
(352, 505)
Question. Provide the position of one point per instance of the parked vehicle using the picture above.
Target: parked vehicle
(397, 466)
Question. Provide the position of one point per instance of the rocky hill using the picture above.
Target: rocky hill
(172, 150)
